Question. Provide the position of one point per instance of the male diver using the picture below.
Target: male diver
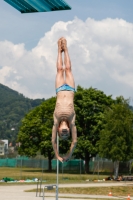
(64, 113)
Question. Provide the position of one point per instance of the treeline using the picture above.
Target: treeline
(104, 127)
(13, 107)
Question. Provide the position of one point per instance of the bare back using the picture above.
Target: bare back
(64, 105)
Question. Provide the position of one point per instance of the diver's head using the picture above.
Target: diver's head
(63, 130)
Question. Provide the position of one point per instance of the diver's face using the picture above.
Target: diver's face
(63, 130)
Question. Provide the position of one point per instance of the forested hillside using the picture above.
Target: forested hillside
(13, 107)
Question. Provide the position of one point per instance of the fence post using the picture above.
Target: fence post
(57, 181)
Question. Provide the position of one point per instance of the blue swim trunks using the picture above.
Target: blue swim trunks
(65, 87)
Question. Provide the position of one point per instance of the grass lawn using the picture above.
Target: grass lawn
(30, 173)
(50, 178)
(116, 191)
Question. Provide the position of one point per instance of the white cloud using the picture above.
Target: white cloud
(101, 54)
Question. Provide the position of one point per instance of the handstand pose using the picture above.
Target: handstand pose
(64, 114)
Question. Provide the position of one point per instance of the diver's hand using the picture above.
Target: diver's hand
(65, 159)
(60, 159)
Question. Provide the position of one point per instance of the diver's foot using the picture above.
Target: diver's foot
(64, 44)
(60, 45)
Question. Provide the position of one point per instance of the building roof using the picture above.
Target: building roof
(1, 142)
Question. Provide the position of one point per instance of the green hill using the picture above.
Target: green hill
(13, 107)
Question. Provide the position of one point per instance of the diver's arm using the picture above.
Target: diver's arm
(54, 139)
(74, 140)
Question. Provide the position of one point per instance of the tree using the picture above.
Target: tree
(89, 105)
(35, 131)
(116, 138)
(13, 107)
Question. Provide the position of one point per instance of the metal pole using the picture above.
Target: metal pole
(98, 167)
(80, 167)
(43, 193)
(62, 171)
(42, 168)
(37, 188)
(40, 191)
(21, 170)
(57, 181)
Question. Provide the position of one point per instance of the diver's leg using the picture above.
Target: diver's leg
(67, 62)
(59, 81)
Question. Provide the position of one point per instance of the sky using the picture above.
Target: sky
(99, 35)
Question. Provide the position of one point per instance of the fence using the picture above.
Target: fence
(72, 166)
(108, 166)
(24, 162)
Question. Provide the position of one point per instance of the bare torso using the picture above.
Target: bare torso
(64, 114)
(64, 106)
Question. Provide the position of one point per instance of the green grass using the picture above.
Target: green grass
(119, 191)
(50, 178)
(30, 173)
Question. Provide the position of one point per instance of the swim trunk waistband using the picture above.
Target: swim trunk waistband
(65, 87)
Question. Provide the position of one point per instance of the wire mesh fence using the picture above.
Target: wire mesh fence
(72, 166)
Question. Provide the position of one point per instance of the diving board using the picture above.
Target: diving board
(31, 6)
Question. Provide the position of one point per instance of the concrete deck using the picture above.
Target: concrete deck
(17, 192)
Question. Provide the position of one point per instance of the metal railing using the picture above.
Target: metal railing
(50, 187)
